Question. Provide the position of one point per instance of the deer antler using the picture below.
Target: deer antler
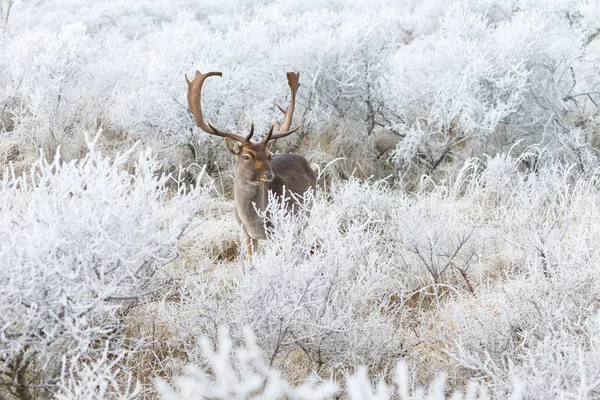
(284, 129)
(194, 95)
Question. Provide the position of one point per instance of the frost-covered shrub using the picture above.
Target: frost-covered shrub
(243, 377)
(242, 372)
(540, 324)
(5, 7)
(317, 286)
(491, 107)
(330, 289)
(476, 87)
(77, 237)
(337, 80)
(440, 81)
(467, 277)
(131, 82)
(324, 291)
(98, 378)
(51, 93)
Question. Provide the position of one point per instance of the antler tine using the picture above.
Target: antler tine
(284, 134)
(268, 135)
(293, 78)
(194, 96)
(251, 132)
(284, 129)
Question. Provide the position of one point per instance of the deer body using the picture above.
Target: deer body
(290, 171)
(257, 172)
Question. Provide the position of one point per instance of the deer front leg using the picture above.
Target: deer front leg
(251, 245)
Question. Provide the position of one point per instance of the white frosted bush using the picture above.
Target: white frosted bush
(136, 87)
(76, 237)
(318, 286)
(239, 372)
(56, 87)
(331, 286)
(489, 278)
(100, 378)
(478, 256)
(540, 323)
(450, 80)
(476, 87)
(323, 291)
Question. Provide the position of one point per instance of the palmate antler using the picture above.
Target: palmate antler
(194, 96)
(284, 129)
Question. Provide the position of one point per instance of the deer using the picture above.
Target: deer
(257, 171)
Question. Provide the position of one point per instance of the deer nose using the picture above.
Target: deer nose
(269, 176)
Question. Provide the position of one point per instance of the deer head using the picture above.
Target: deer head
(253, 164)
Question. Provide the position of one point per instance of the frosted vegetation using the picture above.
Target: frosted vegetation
(453, 247)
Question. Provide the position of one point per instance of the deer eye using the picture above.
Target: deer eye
(246, 157)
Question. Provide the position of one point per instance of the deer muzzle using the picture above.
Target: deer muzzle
(267, 177)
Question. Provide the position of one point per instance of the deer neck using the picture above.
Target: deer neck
(248, 199)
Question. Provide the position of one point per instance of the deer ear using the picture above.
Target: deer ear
(233, 146)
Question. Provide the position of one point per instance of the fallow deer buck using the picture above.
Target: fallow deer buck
(257, 172)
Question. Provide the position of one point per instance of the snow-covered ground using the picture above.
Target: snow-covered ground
(453, 243)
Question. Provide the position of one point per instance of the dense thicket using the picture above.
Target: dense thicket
(455, 226)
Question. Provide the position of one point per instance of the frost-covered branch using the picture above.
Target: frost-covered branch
(76, 234)
(240, 372)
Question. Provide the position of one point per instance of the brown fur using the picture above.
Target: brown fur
(259, 174)
(293, 172)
